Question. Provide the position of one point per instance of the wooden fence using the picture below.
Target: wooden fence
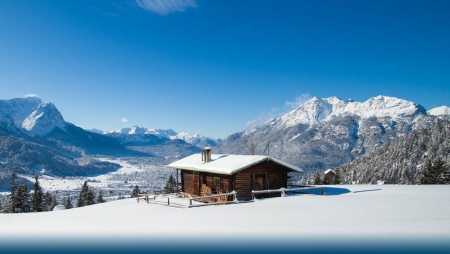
(144, 196)
(233, 193)
(283, 191)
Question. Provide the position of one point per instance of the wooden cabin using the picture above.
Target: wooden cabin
(224, 173)
(328, 176)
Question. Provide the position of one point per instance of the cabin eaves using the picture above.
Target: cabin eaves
(227, 164)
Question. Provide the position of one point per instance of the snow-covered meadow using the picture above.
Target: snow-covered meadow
(404, 216)
(132, 172)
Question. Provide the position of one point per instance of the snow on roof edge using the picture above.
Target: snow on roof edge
(198, 167)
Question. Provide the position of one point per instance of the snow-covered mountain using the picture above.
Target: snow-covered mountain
(327, 132)
(30, 116)
(141, 133)
(317, 110)
(443, 112)
(34, 136)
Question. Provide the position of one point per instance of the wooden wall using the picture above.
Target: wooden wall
(242, 182)
(188, 182)
(205, 178)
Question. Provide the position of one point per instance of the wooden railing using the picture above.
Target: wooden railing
(233, 193)
(142, 195)
(161, 192)
(283, 191)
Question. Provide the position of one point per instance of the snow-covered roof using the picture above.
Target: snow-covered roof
(328, 171)
(226, 163)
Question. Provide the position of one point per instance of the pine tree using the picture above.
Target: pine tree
(83, 194)
(441, 171)
(337, 177)
(22, 200)
(135, 192)
(317, 179)
(171, 185)
(434, 173)
(67, 202)
(13, 188)
(86, 196)
(90, 197)
(48, 201)
(54, 202)
(100, 198)
(37, 196)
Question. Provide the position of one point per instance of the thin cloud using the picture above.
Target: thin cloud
(31, 95)
(263, 118)
(124, 120)
(266, 116)
(164, 7)
(298, 101)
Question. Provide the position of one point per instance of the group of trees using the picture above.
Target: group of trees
(22, 200)
(336, 179)
(87, 196)
(170, 187)
(435, 172)
(415, 158)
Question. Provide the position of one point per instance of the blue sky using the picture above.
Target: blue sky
(211, 67)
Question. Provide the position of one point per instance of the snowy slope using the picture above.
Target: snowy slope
(328, 132)
(318, 110)
(196, 139)
(30, 115)
(357, 216)
(439, 111)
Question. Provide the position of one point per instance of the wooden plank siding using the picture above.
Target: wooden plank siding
(243, 182)
(188, 182)
(205, 178)
(275, 178)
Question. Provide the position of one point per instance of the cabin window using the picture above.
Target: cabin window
(216, 184)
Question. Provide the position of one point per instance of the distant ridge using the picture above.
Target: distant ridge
(327, 132)
(439, 111)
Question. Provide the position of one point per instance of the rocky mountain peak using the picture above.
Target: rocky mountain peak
(325, 132)
(30, 115)
(44, 118)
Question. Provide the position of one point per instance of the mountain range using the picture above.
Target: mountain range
(322, 133)
(328, 132)
(135, 132)
(403, 160)
(34, 137)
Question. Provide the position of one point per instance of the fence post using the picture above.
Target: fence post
(323, 191)
(234, 195)
(283, 194)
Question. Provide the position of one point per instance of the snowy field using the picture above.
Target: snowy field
(131, 172)
(376, 217)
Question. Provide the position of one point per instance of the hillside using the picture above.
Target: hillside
(35, 138)
(328, 132)
(402, 161)
(352, 218)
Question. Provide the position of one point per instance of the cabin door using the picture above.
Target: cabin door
(259, 183)
(260, 180)
(196, 179)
